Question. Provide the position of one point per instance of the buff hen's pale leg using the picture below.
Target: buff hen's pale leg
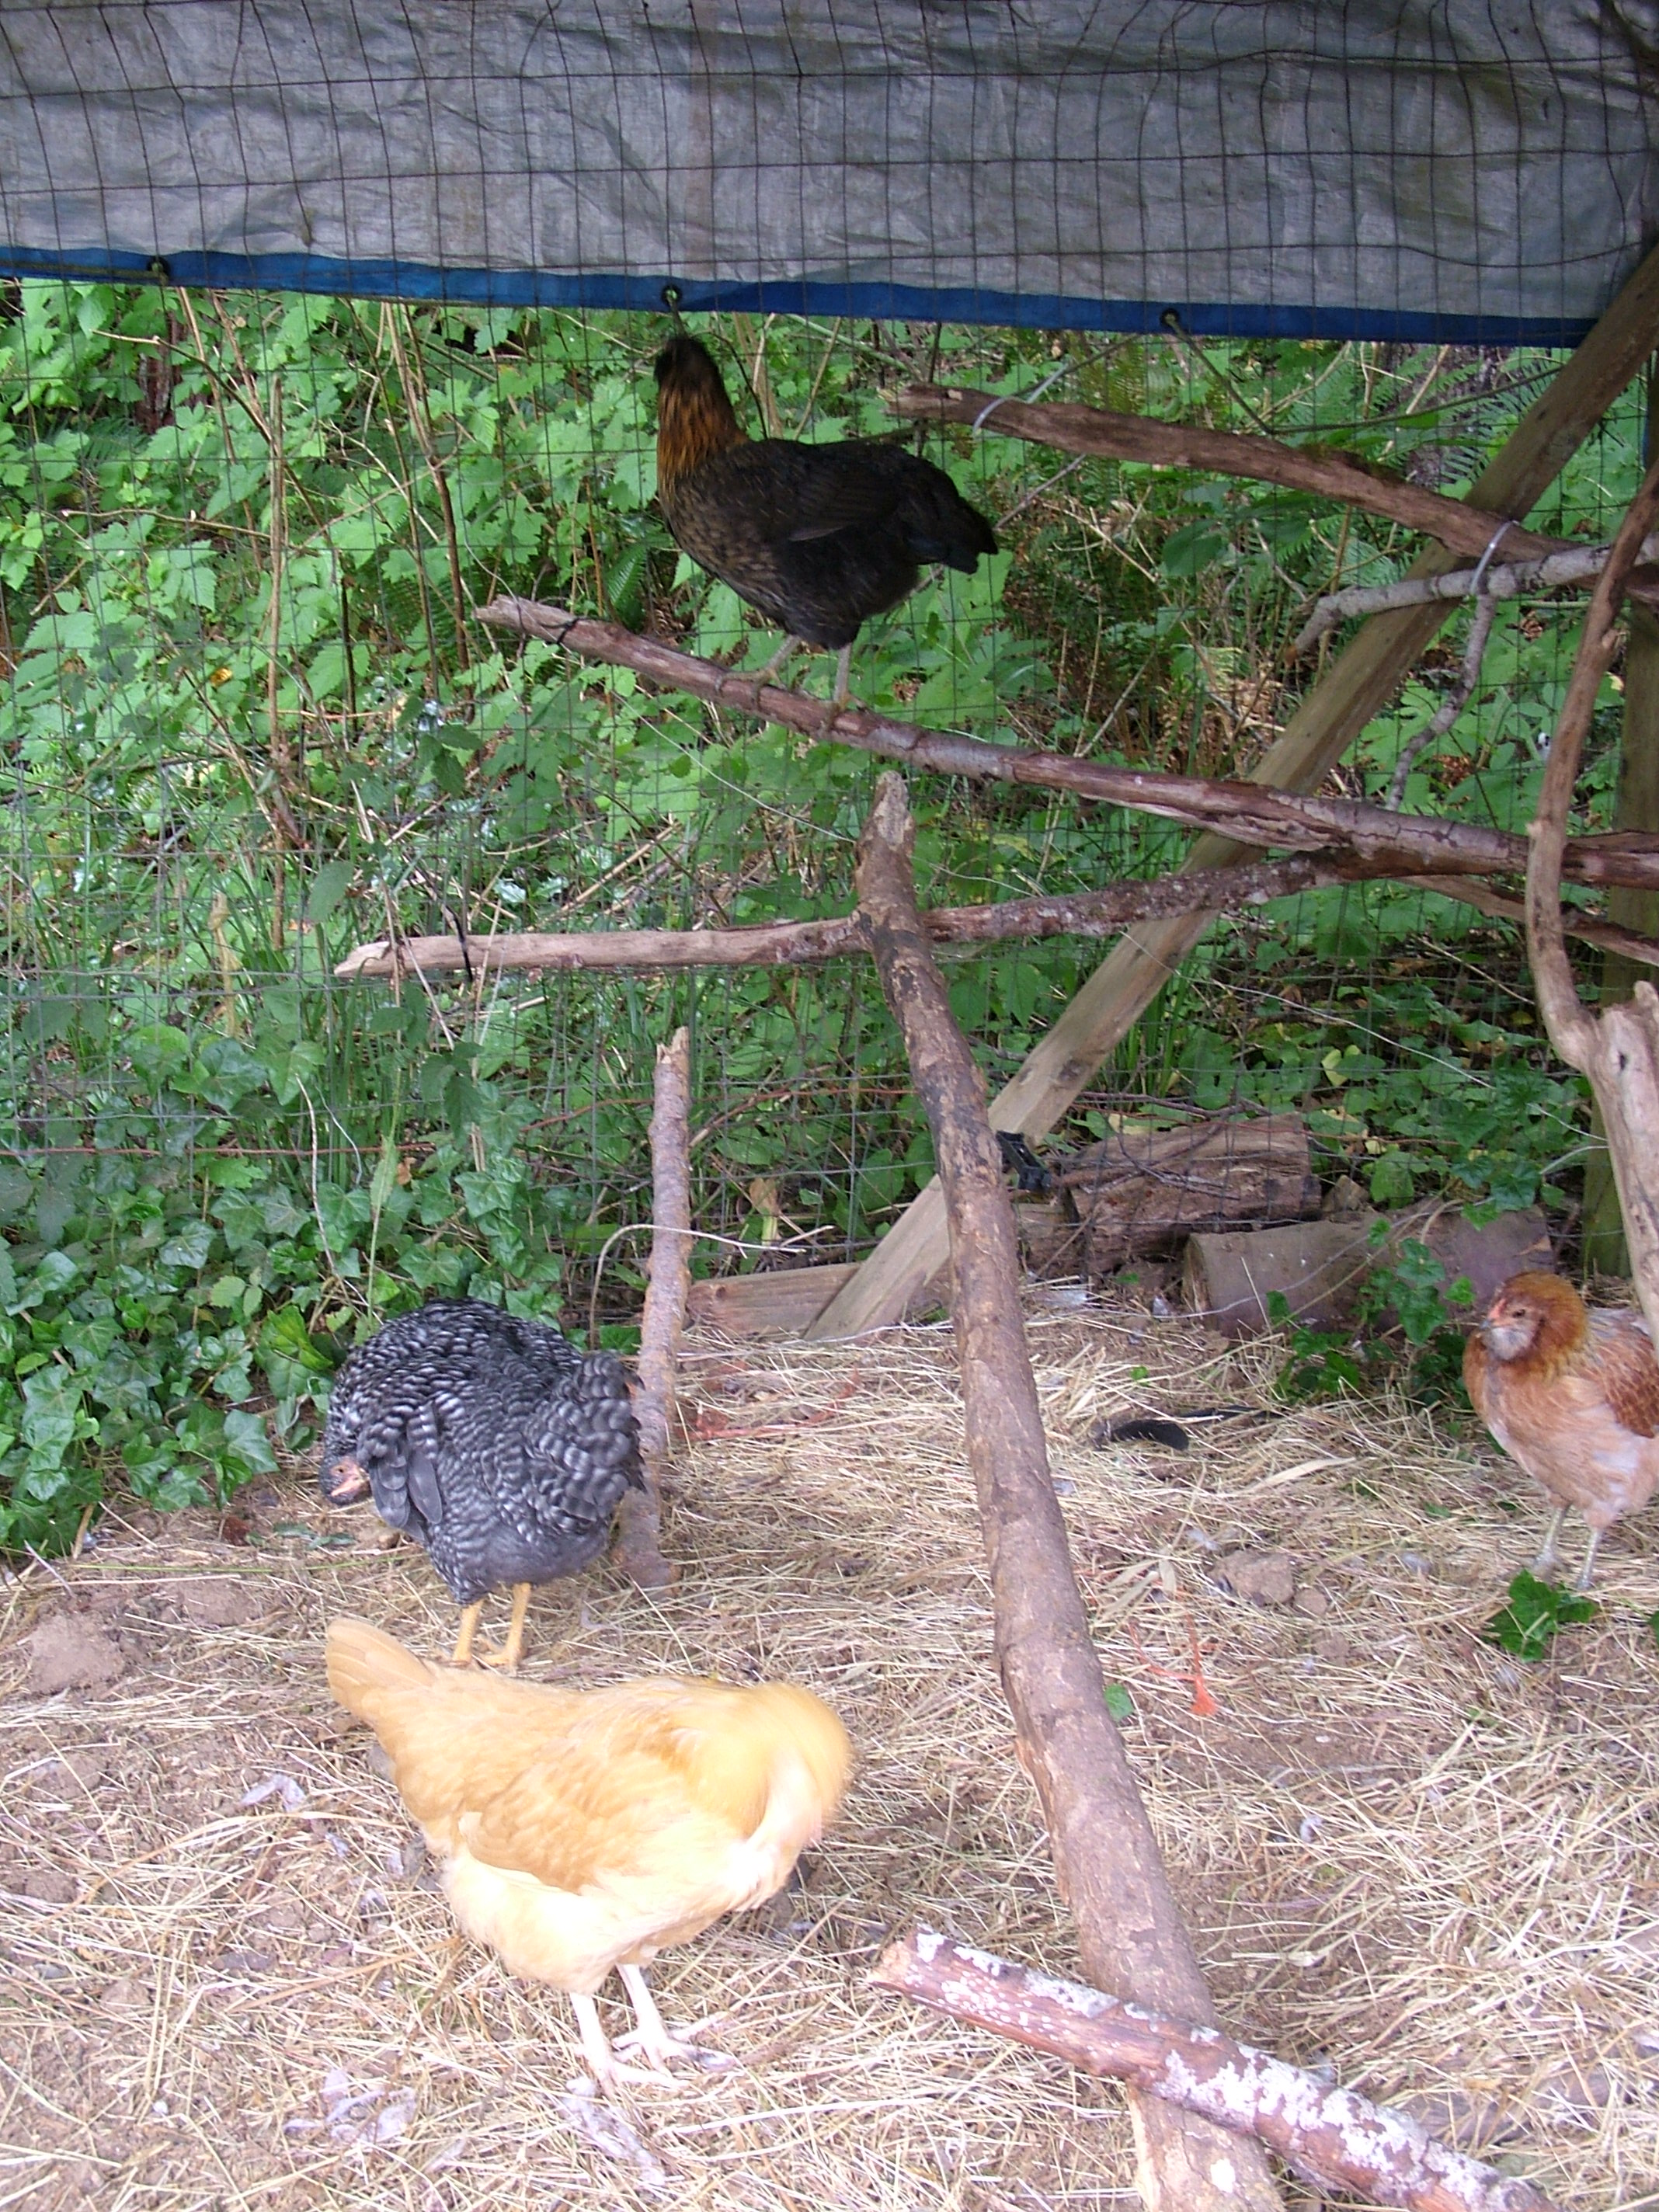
(1545, 1563)
(1589, 1567)
(652, 2038)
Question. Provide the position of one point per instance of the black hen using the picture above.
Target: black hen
(816, 538)
(492, 1440)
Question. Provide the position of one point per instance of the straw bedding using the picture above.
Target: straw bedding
(229, 1981)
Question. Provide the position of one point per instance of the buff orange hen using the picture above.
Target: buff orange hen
(579, 1831)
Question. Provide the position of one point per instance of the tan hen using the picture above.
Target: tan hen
(579, 1831)
(1573, 1395)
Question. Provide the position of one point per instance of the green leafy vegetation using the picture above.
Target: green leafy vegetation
(1535, 1615)
(249, 721)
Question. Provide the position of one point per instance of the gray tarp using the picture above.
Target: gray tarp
(1469, 169)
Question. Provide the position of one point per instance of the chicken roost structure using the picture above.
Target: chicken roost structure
(1449, 172)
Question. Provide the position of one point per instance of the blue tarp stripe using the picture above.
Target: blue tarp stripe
(878, 302)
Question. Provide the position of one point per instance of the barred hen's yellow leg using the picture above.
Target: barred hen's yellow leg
(506, 1655)
(463, 1654)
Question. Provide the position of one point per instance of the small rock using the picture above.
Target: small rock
(67, 1652)
(1332, 1646)
(239, 1961)
(126, 1993)
(1312, 1601)
(379, 1762)
(1258, 1578)
(50, 1885)
(219, 1603)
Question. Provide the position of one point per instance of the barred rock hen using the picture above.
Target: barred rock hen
(1574, 1396)
(492, 1440)
(582, 1831)
(816, 538)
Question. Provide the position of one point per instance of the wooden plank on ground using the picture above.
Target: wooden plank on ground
(1357, 687)
(782, 1301)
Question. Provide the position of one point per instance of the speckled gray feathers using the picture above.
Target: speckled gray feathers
(492, 1440)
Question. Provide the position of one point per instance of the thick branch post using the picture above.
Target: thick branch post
(668, 1281)
(1332, 2137)
(1248, 812)
(1618, 1051)
(1130, 1928)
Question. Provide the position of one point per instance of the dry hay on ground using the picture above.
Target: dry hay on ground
(1405, 1855)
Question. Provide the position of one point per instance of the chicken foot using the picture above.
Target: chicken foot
(652, 2038)
(793, 644)
(504, 1655)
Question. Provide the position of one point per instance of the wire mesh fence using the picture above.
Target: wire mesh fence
(250, 720)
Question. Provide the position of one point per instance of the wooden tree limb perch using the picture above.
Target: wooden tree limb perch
(1100, 913)
(1249, 811)
(1332, 2137)
(1582, 565)
(1618, 1051)
(638, 1549)
(1460, 527)
(1106, 1861)
(1359, 684)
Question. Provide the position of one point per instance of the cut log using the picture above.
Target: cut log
(1141, 1190)
(1320, 1267)
(780, 1302)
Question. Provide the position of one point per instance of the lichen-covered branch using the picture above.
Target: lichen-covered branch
(1474, 651)
(1094, 914)
(1330, 2136)
(1582, 564)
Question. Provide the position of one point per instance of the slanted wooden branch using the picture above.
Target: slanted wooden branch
(1253, 812)
(1100, 913)
(1619, 1050)
(1330, 2136)
(1318, 469)
(638, 1550)
(1129, 1925)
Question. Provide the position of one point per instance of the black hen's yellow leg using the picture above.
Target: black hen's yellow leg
(843, 676)
(506, 1655)
(463, 1654)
